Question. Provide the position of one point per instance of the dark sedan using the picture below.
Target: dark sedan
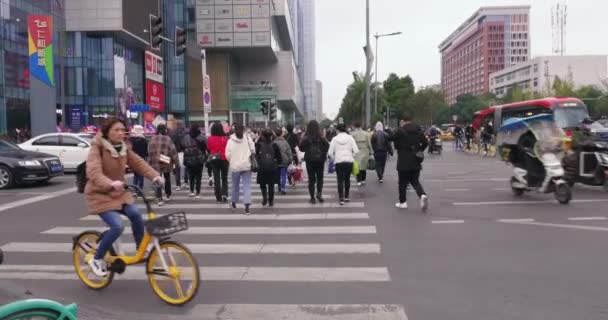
(18, 166)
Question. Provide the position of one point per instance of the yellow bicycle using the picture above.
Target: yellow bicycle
(172, 270)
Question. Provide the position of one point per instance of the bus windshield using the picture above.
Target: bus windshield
(567, 117)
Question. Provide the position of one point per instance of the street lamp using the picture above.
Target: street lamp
(378, 36)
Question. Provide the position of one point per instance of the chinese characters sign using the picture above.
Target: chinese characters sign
(155, 91)
(40, 44)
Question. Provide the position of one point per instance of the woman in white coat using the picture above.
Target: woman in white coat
(239, 149)
(342, 151)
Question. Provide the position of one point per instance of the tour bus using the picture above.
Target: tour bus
(567, 112)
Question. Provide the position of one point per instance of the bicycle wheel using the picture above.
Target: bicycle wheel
(183, 273)
(84, 249)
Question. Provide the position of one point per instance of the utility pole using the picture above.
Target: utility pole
(378, 36)
(369, 60)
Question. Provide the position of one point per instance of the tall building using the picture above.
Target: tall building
(538, 74)
(308, 62)
(490, 40)
(252, 56)
(30, 77)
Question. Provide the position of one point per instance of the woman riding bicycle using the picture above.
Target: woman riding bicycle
(105, 190)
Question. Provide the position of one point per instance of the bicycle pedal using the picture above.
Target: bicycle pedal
(118, 266)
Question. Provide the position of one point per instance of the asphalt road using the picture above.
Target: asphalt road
(479, 253)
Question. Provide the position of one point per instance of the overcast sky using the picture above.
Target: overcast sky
(340, 29)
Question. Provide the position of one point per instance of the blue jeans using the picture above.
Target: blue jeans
(283, 179)
(114, 221)
(138, 180)
(236, 184)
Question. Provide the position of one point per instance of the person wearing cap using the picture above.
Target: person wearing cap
(140, 147)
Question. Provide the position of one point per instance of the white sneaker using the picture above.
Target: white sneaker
(359, 184)
(98, 267)
(168, 199)
(178, 188)
(160, 203)
(192, 195)
(424, 202)
(197, 197)
(401, 205)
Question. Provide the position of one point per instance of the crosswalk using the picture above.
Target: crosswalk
(321, 246)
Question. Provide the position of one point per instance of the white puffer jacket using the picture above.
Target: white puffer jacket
(343, 148)
(238, 152)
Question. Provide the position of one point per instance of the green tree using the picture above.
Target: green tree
(397, 92)
(467, 105)
(352, 103)
(425, 105)
(562, 88)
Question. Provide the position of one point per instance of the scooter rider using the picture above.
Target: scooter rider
(434, 133)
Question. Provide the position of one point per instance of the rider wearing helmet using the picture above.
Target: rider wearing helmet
(105, 190)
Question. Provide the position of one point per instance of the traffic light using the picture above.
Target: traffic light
(180, 41)
(156, 31)
(265, 107)
(273, 112)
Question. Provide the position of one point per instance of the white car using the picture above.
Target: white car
(71, 148)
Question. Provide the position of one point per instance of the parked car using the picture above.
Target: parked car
(18, 166)
(71, 148)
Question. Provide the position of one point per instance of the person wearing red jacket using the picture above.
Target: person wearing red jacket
(216, 145)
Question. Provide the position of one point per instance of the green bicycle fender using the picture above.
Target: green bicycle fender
(65, 312)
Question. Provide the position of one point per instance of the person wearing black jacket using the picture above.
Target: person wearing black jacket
(269, 158)
(293, 141)
(410, 144)
(177, 135)
(315, 149)
(382, 147)
(139, 144)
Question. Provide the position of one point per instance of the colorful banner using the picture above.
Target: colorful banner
(40, 44)
(155, 95)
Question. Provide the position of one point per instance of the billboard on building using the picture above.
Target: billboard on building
(40, 45)
(155, 91)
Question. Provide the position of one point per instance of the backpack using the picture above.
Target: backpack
(266, 157)
(314, 152)
(81, 177)
(193, 155)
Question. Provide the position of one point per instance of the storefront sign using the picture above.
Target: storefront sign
(75, 118)
(154, 67)
(40, 48)
(155, 95)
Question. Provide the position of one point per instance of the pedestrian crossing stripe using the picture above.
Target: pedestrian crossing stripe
(219, 248)
(254, 217)
(271, 274)
(277, 197)
(296, 205)
(357, 229)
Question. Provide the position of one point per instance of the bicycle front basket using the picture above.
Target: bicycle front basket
(167, 224)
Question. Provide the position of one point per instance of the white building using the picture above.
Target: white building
(537, 75)
(319, 102)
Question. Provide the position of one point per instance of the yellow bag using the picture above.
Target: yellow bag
(355, 171)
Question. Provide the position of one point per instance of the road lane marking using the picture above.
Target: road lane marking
(565, 226)
(220, 248)
(447, 221)
(277, 197)
(501, 189)
(241, 230)
(457, 190)
(524, 202)
(466, 180)
(515, 220)
(254, 217)
(587, 218)
(292, 311)
(289, 274)
(19, 203)
(296, 205)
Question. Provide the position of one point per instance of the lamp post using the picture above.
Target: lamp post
(378, 36)
(368, 66)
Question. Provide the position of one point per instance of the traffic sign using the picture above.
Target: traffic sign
(139, 108)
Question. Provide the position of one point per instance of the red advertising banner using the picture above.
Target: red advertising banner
(154, 67)
(155, 96)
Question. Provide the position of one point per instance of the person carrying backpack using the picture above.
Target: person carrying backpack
(269, 157)
(195, 151)
(315, 149)
(382, 149)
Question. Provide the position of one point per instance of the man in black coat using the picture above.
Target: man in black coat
(410, 144)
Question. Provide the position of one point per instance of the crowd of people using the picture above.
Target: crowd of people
(273, 154)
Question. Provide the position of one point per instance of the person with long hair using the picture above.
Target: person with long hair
(286, 158)
(315, 149)
(216, 145)
(239, 149)
(195, 152)
(268, 156)
(342, 151)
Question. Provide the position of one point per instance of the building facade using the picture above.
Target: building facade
(26, 103)
(490, 40)
(538, 74)
(306, 43)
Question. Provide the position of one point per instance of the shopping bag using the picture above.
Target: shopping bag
(297, 175)
(331, 167)
(355, 171)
